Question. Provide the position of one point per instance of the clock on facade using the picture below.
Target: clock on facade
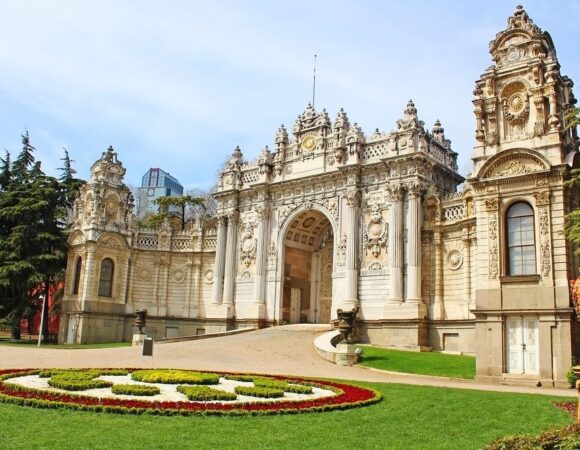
(308, 144)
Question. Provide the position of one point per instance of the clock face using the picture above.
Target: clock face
(308, 144)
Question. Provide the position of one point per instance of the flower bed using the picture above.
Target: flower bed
(339, 396)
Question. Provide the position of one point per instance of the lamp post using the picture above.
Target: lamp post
(43, 297)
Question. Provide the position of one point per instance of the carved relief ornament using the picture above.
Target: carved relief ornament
(248, 245)
(375, 234)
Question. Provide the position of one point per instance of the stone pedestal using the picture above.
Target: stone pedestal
(223, 311)
(346, 355)
(255, 311)
(138, 339)
(405, 310)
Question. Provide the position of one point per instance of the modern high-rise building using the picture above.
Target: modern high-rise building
(156, 183)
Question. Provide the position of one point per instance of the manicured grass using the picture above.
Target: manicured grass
(425, 363)
(409, 417)
(28, 342)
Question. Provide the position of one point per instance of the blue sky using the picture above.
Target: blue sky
(178, 84)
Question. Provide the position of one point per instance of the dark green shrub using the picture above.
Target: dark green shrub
(264, 392)
(175, 377)
(135, 389)
(571, 378)
(205, 393)
(567, 438)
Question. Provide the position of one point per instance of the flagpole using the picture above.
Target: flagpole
(314, 82)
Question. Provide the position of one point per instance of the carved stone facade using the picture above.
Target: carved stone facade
(335, 218)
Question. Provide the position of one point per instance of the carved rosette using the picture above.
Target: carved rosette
(375, 233)
(248, 245)
(454, 259)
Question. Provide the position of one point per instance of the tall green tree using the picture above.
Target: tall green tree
(70, 186)
(5, 171)
(33, 237)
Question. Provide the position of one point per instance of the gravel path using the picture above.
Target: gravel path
(279, 350)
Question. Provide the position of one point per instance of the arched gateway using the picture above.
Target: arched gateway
(334, 218)
(306, 267)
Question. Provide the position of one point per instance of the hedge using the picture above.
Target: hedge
(175, 377)
(264, 392)
(135, 389)
(205, 393)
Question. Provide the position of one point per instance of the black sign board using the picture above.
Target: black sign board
(148, 347)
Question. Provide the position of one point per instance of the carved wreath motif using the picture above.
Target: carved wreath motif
(516, 108)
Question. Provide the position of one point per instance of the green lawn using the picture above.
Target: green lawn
(425, 363)
(408, 417)
(29, 342)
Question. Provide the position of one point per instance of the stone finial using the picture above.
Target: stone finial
(282, 135)
(309, 113)
(108, 167)
(438, 132)
(409, 119)
(236, 158)
(520, 19)
(265, 158)
(341, 121)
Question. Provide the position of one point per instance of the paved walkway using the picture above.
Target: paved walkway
(279, 350)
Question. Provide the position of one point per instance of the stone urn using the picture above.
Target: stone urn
(140, 319)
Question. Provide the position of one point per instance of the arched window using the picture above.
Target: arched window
(77, 275)
(521, 247)
(106, 278)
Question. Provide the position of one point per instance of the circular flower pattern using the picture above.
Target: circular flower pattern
(454, 259)
(339, 396)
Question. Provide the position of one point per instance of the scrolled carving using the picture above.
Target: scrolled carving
(248, 245)
(515, 168)
(353, 198)
(272, 257)
(491, 204)
(375, 234)
(545, 253)
(341, 251)
(493, 245)
(542, 198)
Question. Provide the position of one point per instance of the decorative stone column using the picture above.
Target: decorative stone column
(351, 294)
(89, 277)
(396, 244)
(263, 212)
(438, 307)
(220, 255)
(414, 221)
(230, 260)
(466, 238)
